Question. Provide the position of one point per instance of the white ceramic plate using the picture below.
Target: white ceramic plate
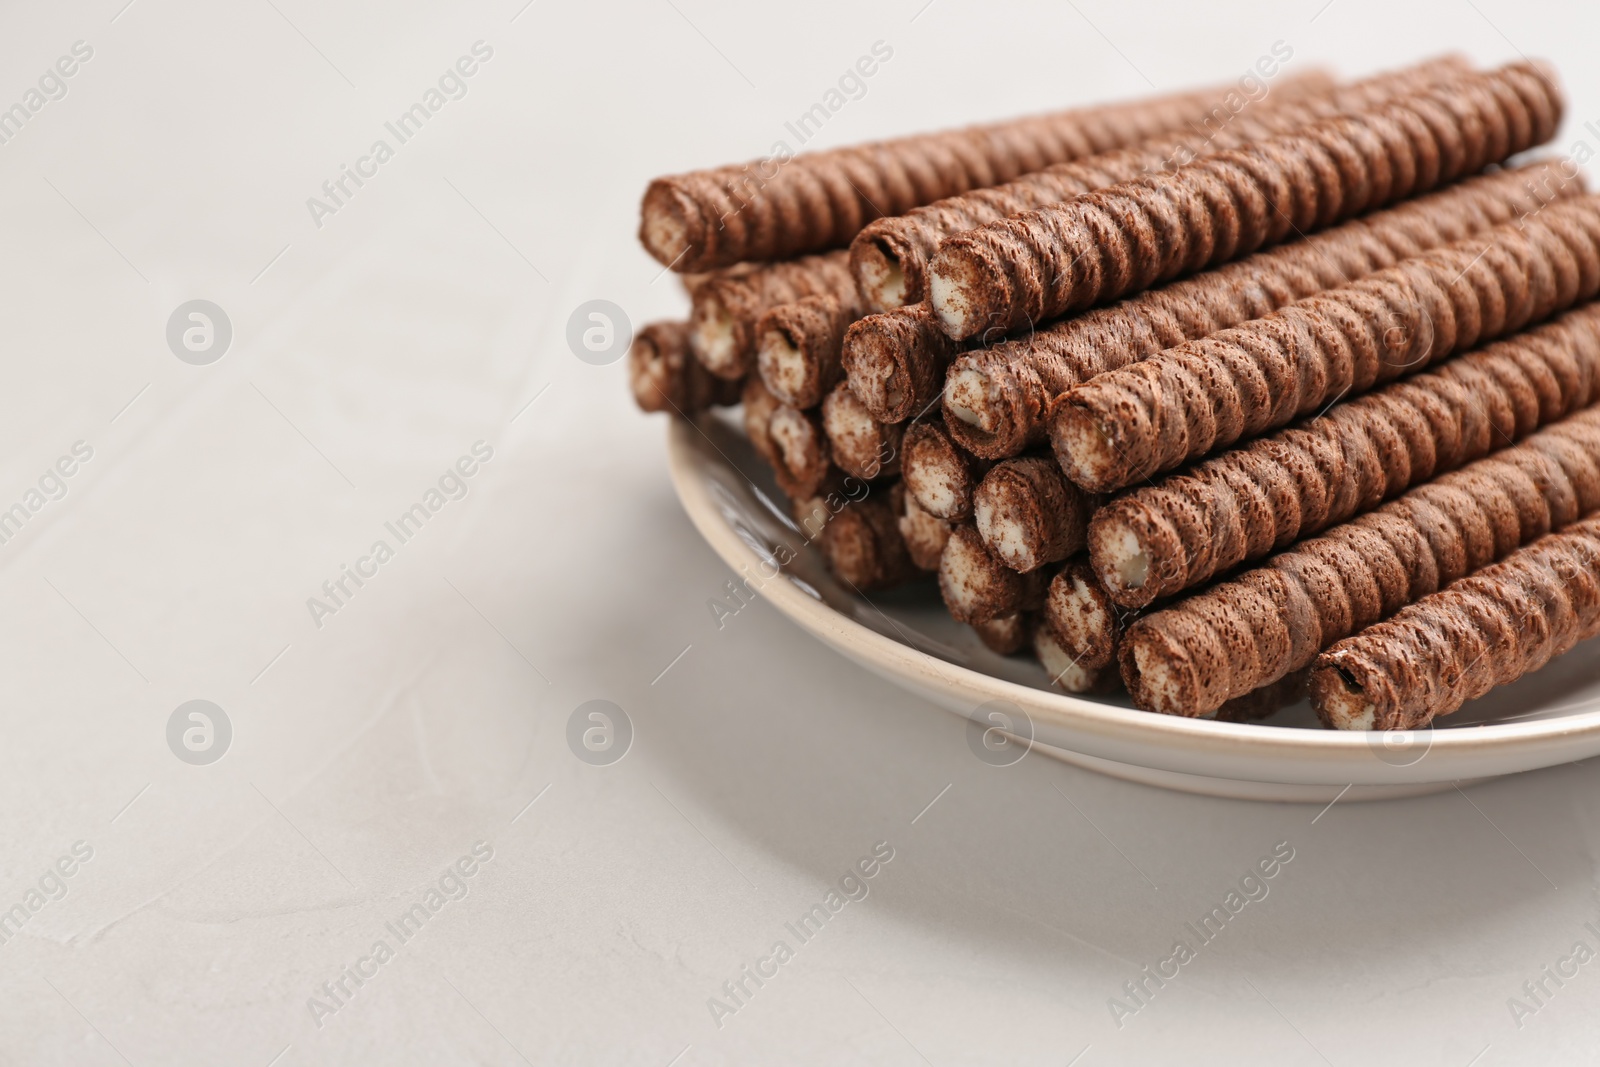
(905, 636)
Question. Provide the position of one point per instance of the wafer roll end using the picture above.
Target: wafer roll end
(1159, 673)
(976, 587)
(889, 273)
(720, 341)
(1350, 692)
(969, 288)
(1065, 671)
(938, 473)
(670, 225)
(864, 548)
(861, 445)
(1085, 621)
(925, 535)
(1028, 515)
(664, 376)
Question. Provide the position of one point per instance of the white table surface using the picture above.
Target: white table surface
(425, 715)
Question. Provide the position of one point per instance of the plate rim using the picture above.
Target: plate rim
(1109, 722)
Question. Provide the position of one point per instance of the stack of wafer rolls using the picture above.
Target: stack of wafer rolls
(1253, 629)
(1225, 415)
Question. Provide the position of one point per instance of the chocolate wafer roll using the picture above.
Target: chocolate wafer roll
(924, 534)
(664, 376)
(1483, 631)
(1065, 670)
(788, 205)
(797, 347)
(1159, 540)
(1207, 394)
(1088, 624)
(1008, 634)
(895, 361)
(859, 443)
(1245, 633)
(939, 473)
(863, 546)
(728, 306)
(803, 460)
(996, 400)
(977, 587)
(1096, 247)
(1029, 515)
(889, 257)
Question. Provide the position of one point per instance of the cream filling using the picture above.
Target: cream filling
(949, 302)
(966, 396)
(1125, 562)
(791, 432)
(714, 338)
(966, 575)
(782, 369)
(882, 281)
(1064, 671)
(933, 488)
(1006, 537)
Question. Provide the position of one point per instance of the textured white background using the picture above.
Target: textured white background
(431, 710)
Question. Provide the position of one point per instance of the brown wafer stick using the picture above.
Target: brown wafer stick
(1268, 700)
(728, 306)
(789, 205)
(863, 545)
(797, 347)
(664, 376)
(889, 257)
(860, 444)
(977, 587)
(1159, 540)
(1065, 670)
(997, 400)
(802, 457)
(939, 473)
(1203, 395)
(924, 534)
(895, 361)
(1029, 515)
(1096, 247)
(1008, 634)
(1245, 633)
(1088, 624)
(1484, 631)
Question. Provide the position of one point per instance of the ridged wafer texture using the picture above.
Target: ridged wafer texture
(895, 361)
(1102, 245)
(803, 457)
(727, 306)
(781, 207)
(1250, 631)
(889, 257)
(1207, 394)
(1484, 631)
(797, 347)
(664, 376)
(997, 400)
(1157, 541)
